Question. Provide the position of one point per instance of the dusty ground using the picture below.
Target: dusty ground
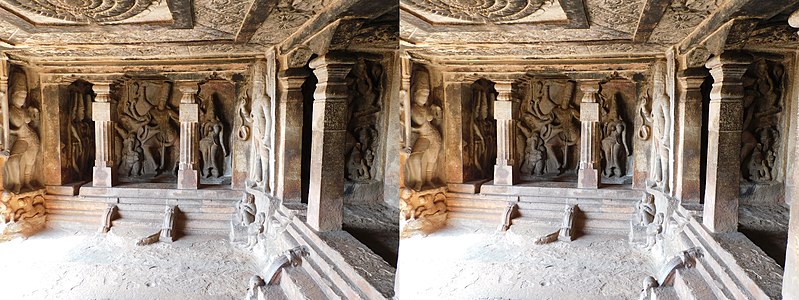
(466, 262)
(58, 264)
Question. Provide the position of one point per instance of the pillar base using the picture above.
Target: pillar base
(588, 179)
(104, 176)
(188, 179)
(505, 175)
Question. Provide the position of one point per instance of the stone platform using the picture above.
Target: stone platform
(141, 205)
(606, 210)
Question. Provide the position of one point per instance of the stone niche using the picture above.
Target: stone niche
(762, 133)
(617, 118)
(548, 131)
(76, 131)
(479, 131)
(217, 114)
(364, 149)
(148, 128)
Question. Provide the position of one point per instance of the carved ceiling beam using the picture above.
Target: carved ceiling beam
(575, 12)
(360, 9)
(728, 11)
(182, 13)
(650, 17)
(256, 15)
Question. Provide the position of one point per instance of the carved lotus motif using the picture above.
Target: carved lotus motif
(481, 11)
(85, 11)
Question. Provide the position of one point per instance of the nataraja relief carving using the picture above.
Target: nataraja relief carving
(365, 85)
(760, 134)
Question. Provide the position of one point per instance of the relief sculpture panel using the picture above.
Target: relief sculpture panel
(549, 128)
(364, 102)
(424, 146)
(481, 144)
(618, 111)
(760, 134)
(24, 144)
(217, 110)
(148, 129)
(77, 145)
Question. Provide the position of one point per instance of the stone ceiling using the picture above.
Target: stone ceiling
(160, 28)
(495, 29)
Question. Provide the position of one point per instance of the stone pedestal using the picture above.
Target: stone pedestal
(506, 170)
(188, 175)
(689, 110)
(588, 172)
(105, 169)
(290, 108)
(326, 192)
(724, 141)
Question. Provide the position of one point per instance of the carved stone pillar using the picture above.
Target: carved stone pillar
(290, 107)
(689, 108)
(588, 172)
(188, 177)
(506, 170)
(325, 195)
(4, 66)
(724, 141)
(790, 280)
(455, 94)
(105, 171)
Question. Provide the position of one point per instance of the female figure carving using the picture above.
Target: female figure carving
(423, 155)
(24, 141)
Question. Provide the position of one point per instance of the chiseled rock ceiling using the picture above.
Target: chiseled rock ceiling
(72, 26)
(544, 27)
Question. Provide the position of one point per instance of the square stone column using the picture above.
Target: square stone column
(326, 191)
(188, 175)
(588, 172)
(689, 151)
(105, 169)
(724, 141)
(506, 170)
(290, 107)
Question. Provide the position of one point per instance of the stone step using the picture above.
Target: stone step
(220, 226)
(73, 205)
(159, 214)
(74, 212)
(226, 210)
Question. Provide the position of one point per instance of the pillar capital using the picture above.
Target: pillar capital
(189, 90)
(332, 67)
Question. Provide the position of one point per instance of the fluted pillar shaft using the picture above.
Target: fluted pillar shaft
(506, 170)
(588, 171)
(724, 141)
(326, 191)
(188, 175)
(104, 172)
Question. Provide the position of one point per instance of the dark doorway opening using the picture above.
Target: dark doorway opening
(705, 88)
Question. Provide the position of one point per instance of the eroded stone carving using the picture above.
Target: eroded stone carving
(148, 127)
(260, 116)
(79, 144)
(365, 86)
(615, 147)
(549, 127)
(169, 224)
(212, 143)
(482, 129)
(107, 217)
(246, 213)
(24, 141)
(645, 212)
(661, 135)
(423, 156)
(760, 135)
(423, 211)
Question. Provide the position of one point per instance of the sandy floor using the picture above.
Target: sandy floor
(462, 262)
(57, 264)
